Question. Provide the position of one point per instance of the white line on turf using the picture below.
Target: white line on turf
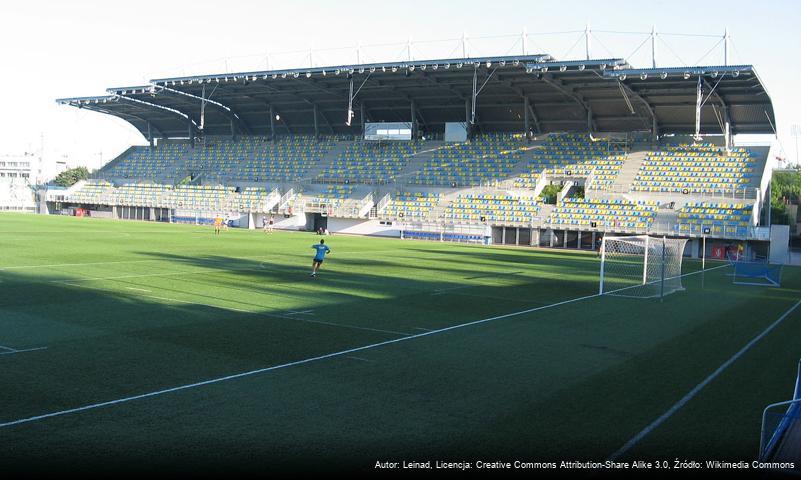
(8, 348)
(692, 393)
(23, 350)
(341, 353)
(359, 359)
(138, 289)
(75, 264)
(278, 315)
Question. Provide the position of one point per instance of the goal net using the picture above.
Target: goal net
(641, 266)
(756, 273)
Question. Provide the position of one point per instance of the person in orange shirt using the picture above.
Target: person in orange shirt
(217, 224)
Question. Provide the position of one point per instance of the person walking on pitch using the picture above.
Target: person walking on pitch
(321, 249)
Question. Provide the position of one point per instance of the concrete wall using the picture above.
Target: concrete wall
(294, 222)
(779, 244)
(358, 226)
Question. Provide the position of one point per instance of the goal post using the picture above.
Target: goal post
(641, 266)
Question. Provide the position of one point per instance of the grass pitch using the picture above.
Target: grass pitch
(123, 343)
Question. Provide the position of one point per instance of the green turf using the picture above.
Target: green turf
(127, 308)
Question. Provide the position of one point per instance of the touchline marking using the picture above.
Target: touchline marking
(692, 393)
(341, 353)
(138, 289)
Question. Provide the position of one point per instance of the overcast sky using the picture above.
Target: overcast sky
(53, 49)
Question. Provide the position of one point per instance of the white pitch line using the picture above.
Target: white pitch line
(692, 393)
(359, 359)
(423, 329)
(139, 289)
(75, 264)
(23, 350)
(340, 353)
(8, 348)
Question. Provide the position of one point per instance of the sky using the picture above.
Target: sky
(55, 49)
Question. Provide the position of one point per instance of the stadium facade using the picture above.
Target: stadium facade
(463, 149)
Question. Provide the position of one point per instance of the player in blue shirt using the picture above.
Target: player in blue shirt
(321, 249)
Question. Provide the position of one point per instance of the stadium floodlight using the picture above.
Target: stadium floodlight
(663, 75)
(643, 76)
(686, 75)
(622, 77)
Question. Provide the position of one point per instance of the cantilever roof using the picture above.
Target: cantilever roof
(601, 94)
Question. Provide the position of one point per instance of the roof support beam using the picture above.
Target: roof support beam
(224, 109)
(316, 128)
(570, 93)
(713, 93)
(272, 124)
(654, 122)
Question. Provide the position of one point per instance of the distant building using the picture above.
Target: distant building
(18, 177)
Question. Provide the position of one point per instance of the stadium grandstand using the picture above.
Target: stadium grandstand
(643, 314)
(458, 145)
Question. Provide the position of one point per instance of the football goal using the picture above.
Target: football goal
(757, 273)
(641, 266)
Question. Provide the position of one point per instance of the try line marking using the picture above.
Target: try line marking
(341, 353)
(692, 393)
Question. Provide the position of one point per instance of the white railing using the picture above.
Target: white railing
(382, 204)
(286, 198)
(366, 205)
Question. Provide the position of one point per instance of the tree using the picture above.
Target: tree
(70, 177)
(550, 192)
(785, 188)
